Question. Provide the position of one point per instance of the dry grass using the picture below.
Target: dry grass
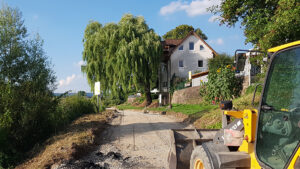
(211, 119)
(154, 104)
(74, 142)
(245, 101)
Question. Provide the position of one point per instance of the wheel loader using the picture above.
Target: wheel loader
(266, 137)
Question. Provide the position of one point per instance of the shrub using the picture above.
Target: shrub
(75, 106)
(154, 96)
(103, 103)
(222, 85)
(218, 61)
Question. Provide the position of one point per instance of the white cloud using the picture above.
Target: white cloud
(80, 63)
(214, 18)
(218, 41)
(194, 8)
(75, 83)
(172, 7)
(67, 81)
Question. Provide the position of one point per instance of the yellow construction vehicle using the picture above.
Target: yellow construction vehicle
(267, 137)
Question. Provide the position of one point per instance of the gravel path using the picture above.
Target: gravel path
(134, 140)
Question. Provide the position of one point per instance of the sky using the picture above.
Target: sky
(61, 24)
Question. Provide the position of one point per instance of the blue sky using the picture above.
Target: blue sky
(61, 25)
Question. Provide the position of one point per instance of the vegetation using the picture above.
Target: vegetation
(181, 32)
(266, 23)
(128, 106)
(187, 109)
(222, 85)
(211, 119)
(123, 56)
(70, 108)
(177, 83)
(81, 93)
(218, 61)
(26, 85)
(29, 113)
(72, 143)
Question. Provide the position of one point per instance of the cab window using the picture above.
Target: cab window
(279, 120)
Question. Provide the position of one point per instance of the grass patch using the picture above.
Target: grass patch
(201, 115)
(245, 101)
(211, 119)
(188, 109)
(128, 106)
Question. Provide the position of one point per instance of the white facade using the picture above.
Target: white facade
(185, 60)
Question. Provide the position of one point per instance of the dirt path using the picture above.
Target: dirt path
(134, 140)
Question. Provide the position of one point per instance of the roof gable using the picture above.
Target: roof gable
(197, 36)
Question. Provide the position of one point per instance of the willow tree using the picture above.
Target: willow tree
(122, 56)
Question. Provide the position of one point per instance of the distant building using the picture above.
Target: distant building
(181, 56)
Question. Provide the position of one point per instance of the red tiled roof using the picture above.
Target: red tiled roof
(174, 42)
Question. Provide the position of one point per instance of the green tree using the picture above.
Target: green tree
(123, 56)
(181, 31)
(266, 23)
(26, 85)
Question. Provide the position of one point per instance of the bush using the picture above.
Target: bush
(70, 108)
(222, 85)
(218, 61)
(37, 123)
(154, 96)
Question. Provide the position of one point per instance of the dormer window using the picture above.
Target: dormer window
(191, 45)
(180, 47)
(201, 47)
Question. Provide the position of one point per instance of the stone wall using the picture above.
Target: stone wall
(187, 96)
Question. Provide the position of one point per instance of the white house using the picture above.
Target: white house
(181, 56)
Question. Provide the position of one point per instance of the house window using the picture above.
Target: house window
(180, 63)
(200, 63)
(181, 47)
(191, 45)
(201, 47)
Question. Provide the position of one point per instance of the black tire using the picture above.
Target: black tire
(207, 154)
(199, 153)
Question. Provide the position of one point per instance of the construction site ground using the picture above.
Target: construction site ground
(133, 140)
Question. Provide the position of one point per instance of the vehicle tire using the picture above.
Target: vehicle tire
(206, 154)
(200, 159)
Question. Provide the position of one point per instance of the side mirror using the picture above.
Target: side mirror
(255, 93)
(226, 105)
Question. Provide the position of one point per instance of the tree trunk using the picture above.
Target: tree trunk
(148, 94)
